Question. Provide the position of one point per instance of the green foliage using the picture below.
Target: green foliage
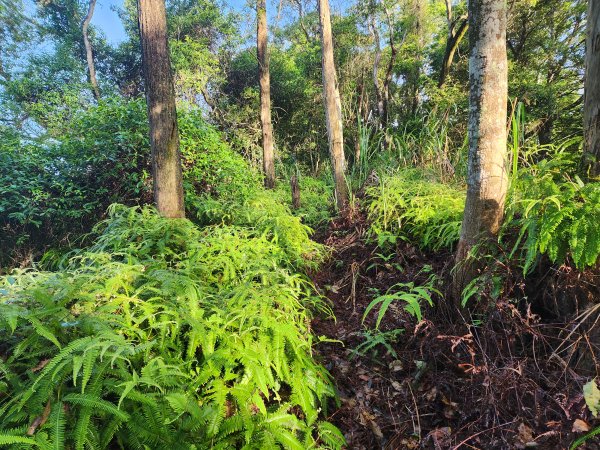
(56, 190)
(162, 335)
(591, 394)
(316, 199)
(374, 338)
(556, 215)
(51, 189)
(410, 294)
(409, 205)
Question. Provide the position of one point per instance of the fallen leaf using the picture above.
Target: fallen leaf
(591, 393)
(397, 386)
(525, 433)
(396, 366)
(41, 365)
(580, 426)
(40, 420)
(431, 394)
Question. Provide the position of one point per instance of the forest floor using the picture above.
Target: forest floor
(444, 385)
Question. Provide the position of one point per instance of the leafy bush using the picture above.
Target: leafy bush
(408, 205)
(162, 335)
(556, 215)
(53, 192)
(211, 168)
(316, 199)
(55, 189)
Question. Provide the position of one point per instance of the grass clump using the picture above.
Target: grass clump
(409, 205)
(162, 335)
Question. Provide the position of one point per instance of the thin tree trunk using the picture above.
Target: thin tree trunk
(295, 187)
(591, 108)
(88, 50)
(333, 108)
(265, 93)
(376, 61)
(455, 36)
(162, 113)
(487, 179)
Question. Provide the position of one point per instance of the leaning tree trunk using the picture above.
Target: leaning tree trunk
(88, 50)
(162, 114)
(591, 109)
(487, 176)
(265, 93)
(333, 108)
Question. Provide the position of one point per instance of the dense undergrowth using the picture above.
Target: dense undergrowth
(166, 334)
(163, 335)
(550, 212)
(54, 191)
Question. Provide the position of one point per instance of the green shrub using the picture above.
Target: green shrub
(316, 199)
(556, 215)
(162, 335)
(408, 205)
(53, 190)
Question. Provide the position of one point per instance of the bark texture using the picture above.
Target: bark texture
(333, 107)
(487, 179)
(265, 93)
(591, 109)
(162, 114)
(88, 50)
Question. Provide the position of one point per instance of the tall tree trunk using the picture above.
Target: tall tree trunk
(333, 108)
(88, 50)
(591, 109)
(162, 114)
(265, 93)
(487, 179)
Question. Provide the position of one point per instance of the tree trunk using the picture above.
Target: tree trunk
(455, 37)
(295, 187)
(88, 50)
(162, 114)
(333, 107)
(265, 93)
(487, 179)
(591, 109)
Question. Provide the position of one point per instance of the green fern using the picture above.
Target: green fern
(163, 335)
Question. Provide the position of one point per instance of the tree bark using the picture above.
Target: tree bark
(265, 93)
(591, 108)
(162, 113)
(333, 107)
(487, 179)
(88, 50)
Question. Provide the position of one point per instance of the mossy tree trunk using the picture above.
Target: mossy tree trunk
(162, 113)
(333, 108)
(265, 93)
(487, 179)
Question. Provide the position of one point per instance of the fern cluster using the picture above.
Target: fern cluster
(409, 205)
(162, 335)
(556, 216)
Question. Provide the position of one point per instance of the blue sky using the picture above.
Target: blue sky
(107, 20)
